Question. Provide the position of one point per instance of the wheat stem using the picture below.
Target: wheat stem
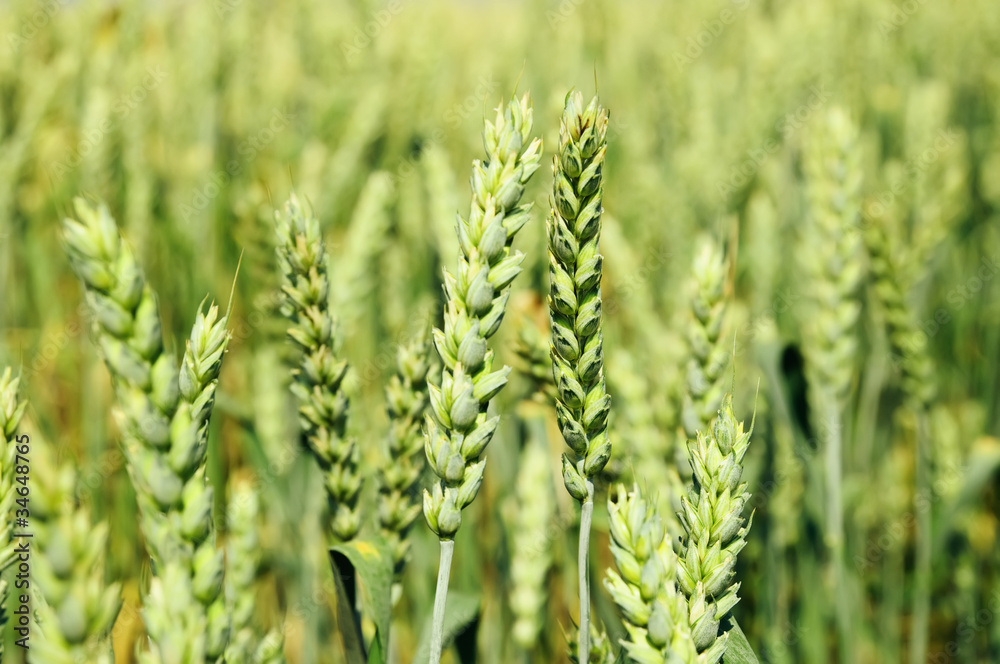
(583, 559)
(924, 543)
(440, 597)
(835, 520)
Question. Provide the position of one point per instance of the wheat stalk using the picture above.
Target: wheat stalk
(457, 435)
(833, 262)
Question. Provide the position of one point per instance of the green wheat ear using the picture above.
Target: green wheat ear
(318, 386)
(531, 549)
(709, 353)
(406, 399)
(460, 429)
(477, 298)
(164, 416)
(673, 601)
(242, 562)
(575, 268)
(77, 608)
(712, 516)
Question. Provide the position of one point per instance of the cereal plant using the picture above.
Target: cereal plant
(270, 392)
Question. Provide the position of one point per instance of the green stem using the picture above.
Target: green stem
(583, 563)
(440, 598)
(835, 528)
(922, 580)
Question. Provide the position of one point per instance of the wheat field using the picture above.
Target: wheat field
(499, 332)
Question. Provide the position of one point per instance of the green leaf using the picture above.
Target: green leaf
(738, 651)
(366, 564)
(348, 624)
(376, 655)
(461, 614)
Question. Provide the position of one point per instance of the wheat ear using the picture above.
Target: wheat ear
(78, 608)
(833, 170)
(323, 405)
(246, 646)
(712, 515)
(531, 549)
(673, 602)
(163, 414)
(457, 435)
(658, 622)
(709, 354)
(575, 262)
(910, 355)
(406, 399)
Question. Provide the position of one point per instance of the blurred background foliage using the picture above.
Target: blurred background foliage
(194, 120)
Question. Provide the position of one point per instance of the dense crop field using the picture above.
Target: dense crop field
(259, 284)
